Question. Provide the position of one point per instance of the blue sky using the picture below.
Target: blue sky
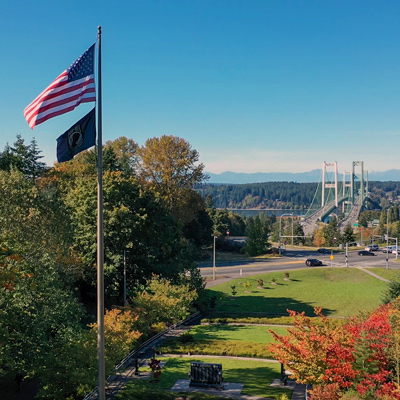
(253, 85)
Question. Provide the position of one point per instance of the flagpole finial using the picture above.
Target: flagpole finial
(99, 29)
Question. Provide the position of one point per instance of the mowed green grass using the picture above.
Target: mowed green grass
(226, 340)
(341, 292)
(255, 375)
(253, 333)
(391, 274)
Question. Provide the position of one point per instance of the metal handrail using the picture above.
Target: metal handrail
(141, 347)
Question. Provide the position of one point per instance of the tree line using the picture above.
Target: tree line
(48, 250)
(287, 195)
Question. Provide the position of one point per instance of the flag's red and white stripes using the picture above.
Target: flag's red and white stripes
(59, 98)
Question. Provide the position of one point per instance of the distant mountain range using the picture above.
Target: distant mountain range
(313, 176)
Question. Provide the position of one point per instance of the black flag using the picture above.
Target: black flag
(79, 137)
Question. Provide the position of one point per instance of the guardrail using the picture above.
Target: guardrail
(143, 347)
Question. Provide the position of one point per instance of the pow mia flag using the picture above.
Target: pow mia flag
(79, 137)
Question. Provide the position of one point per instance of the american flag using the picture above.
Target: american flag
(73, 87)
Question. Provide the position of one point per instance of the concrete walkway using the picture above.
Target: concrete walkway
(122, 378)
(297, 394)
(372, 274)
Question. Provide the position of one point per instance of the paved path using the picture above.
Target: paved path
(122, 378)
(298, 392)
(374, 275)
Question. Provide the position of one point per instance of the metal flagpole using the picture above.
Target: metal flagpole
(100, 235)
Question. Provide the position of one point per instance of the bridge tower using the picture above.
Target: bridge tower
(361, 177)
(330, 184)
(346, 184)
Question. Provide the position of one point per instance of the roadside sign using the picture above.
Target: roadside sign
(331, 256)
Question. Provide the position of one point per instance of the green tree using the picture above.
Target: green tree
(257, 237)
(363, 220)
(331, 232)
(25, 158)
(125, 151)
(171, 166)
(298, 231)
(220, 219)
(134, 219)
(36, 311)
(162, 302)
(348, 235)
(392, 291)
(383, 223)
(237, 225)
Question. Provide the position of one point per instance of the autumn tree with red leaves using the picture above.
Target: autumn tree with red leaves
(363, 354)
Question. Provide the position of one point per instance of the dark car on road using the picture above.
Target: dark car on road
(311, 262)
(365, 253)
(324, 251)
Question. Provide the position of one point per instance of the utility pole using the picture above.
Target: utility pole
(214, 267)
(125, 252)
(387, 239)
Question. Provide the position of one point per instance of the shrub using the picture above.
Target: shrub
(233, 290)
(274, 250)
(213, 301)
(186, 338)
(260, 283)
(235, 348)
(247, 285)
(392, 292)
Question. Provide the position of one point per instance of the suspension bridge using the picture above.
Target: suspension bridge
(347, 196)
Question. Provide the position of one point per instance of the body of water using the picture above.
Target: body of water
(278, 213)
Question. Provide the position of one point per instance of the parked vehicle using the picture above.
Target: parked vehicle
(365, 253)
(312, 262)
(372, 247)
(324, 251)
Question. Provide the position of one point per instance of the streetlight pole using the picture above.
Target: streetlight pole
(280, 230)
(214, 268)
(387, 239)
(125, 251)
(292, 229)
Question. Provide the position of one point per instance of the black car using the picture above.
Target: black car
(365, 253)
(324, 251)
(311, 262)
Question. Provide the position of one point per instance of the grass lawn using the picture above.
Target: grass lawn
(391, 274)
(257, 334)
(231, 340)
(255, 375)
(340, 292)
(226, 256)
(222, 256)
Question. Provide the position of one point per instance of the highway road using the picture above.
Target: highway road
(295, 259)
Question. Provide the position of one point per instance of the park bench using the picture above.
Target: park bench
(205, 374)
(285, 373)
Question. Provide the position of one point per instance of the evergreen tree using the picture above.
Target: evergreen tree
(394, 213)
(257, 237)
(331, 232)
(34, 166)
(383, 222)
(24, 158)
(298, 231)
(348, 236)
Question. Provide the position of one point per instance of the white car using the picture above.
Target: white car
(372, 247)
(389, 249)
